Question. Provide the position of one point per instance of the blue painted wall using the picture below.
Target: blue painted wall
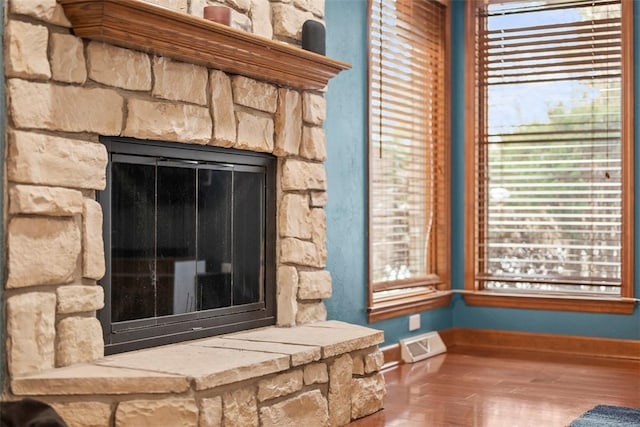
(346, 128)
(346, 210)
(346, 159)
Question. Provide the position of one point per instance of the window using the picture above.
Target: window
(550, 154)
(189, 243)
(408, 143)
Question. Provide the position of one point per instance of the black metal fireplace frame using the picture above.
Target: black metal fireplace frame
(143, 333)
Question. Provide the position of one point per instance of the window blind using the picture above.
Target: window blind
(549, 160)
(406, 141)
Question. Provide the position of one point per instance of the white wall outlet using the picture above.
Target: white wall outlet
(414, 322)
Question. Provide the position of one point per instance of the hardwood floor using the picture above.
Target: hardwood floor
(507, 388)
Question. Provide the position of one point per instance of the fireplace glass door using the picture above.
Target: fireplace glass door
(187, 235)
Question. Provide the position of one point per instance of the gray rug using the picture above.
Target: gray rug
(608, 416)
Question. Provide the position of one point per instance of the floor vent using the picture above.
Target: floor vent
(421, 347)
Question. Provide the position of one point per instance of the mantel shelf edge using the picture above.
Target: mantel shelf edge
(153, 29)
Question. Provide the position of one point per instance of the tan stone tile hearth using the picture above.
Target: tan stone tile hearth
(94, 380)
(293, 375)
(237, 357)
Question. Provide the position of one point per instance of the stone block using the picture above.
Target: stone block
(67, 59)
(172, 411)
(92, 245)
(363, 338)
(318, 220)
(261, 17)
(314, 108)
(340, 373)
(315, 373)
(179, 81)
(288, 123)
(314, 6)
(65, 108)
(367, 395)
(241, 5)
(84, 414)
(118, 67)
(231, 365)
(280, 385)
(300, 354)
(39, 200)
(48, 160)
(358, 364)
(287, 288)
(78, 340)
(318, 199)
(196, 7)
(240, 408)
(306, 409)
(313, 143)
(211, 412)
(240, 21)
(43, 10)
(373, 362)
(255, 133)
(30, 339)
(296, 251)
(299, 175)
(90, 379)
(314, 285)
(288, 20)
(168, 121)
(42, 251)
(334, 337)
(254, 94)
(26, 53)
(222, 110)
(79, 298)
(293, 216)
(310, 312)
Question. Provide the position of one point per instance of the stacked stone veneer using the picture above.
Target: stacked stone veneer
(63, 92)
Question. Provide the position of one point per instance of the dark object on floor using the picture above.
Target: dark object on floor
(609, 416)
(29, 413)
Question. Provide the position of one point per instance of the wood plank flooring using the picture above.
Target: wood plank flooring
(489, 388)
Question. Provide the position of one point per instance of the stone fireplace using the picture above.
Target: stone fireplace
(64, 94)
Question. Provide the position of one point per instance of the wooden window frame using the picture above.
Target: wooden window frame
(440, 296)
(624, 304)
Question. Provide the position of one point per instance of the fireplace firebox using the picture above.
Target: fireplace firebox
(189, 234)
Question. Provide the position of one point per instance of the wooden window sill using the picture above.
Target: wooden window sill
(408, 305)
(548, 302)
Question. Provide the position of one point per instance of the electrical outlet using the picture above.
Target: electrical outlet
(414, 322)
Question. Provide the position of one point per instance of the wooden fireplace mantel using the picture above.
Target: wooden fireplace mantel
(149, 28)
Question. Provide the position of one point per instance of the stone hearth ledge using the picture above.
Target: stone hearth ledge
(202, 364)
